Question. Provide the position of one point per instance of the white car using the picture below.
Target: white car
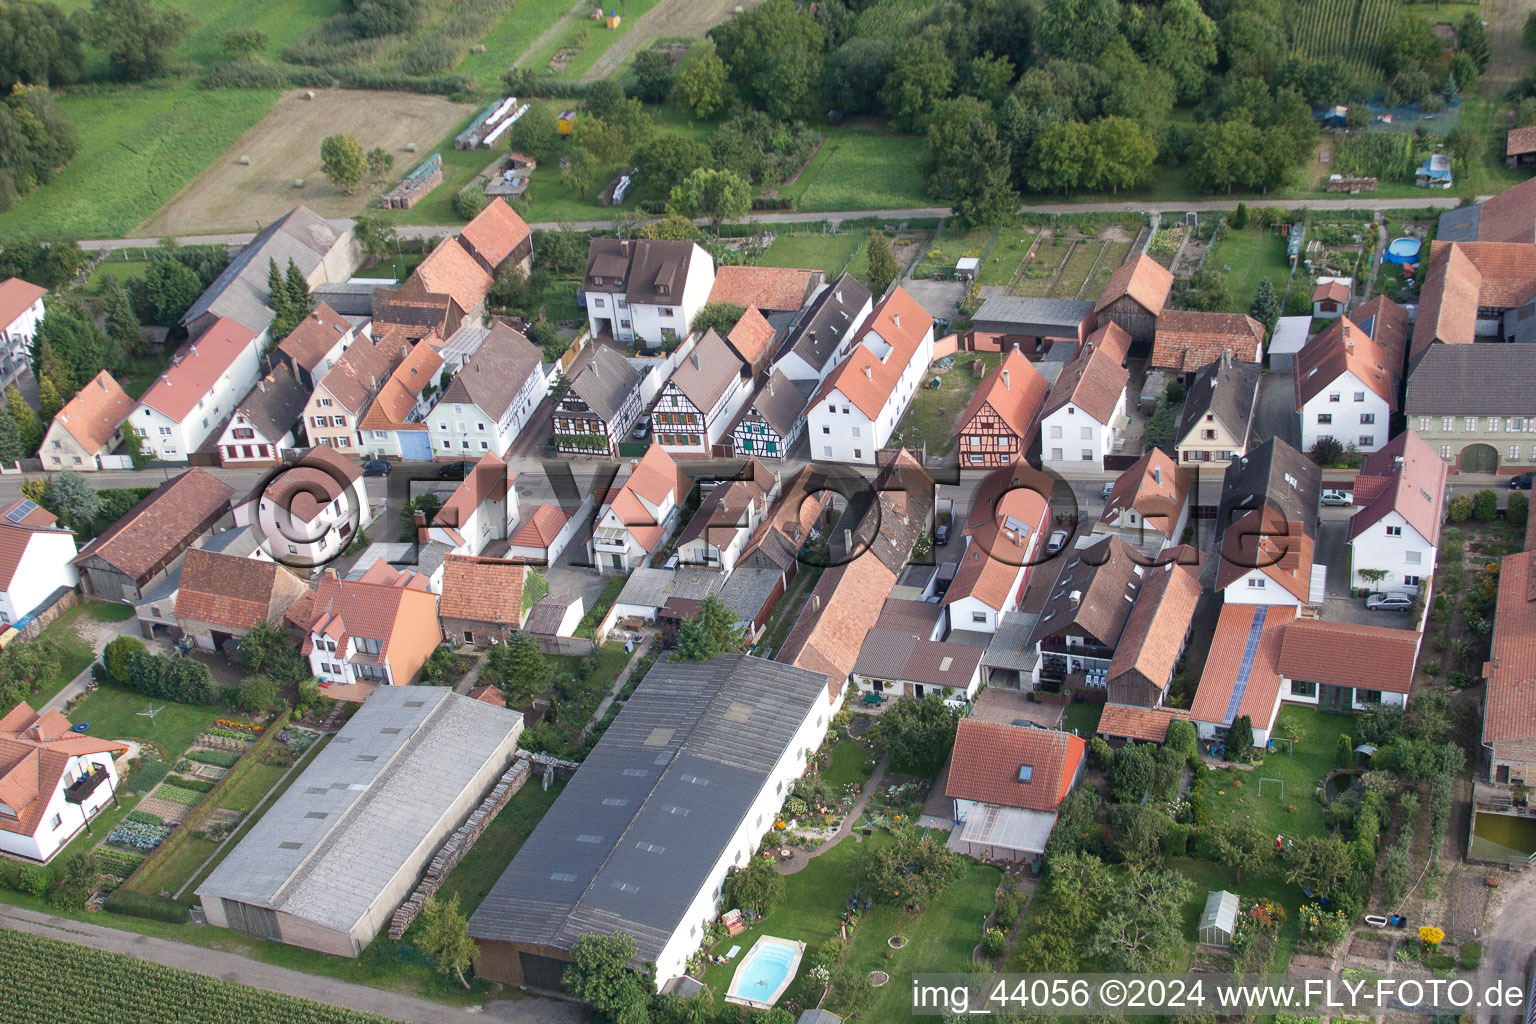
(1334, 496)
(1056, 541)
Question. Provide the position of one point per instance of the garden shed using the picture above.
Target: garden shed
(1218, 921)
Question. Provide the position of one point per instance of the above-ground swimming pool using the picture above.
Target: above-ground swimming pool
(1403, 251)
(765, 972)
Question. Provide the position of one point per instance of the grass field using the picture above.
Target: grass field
(846, 764)
(858, 169)
(1249, 256)
(1114, 255)
(1036, 280)
(590, 39)
(1084, 718)
(115, 713)
(78, 654)
(829, 253)
(510, 39)
(1300, 772)
(933, 414)
(471, 881)
(1269, 883)
(1012, 245)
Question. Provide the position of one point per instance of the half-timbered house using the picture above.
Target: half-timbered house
(774, 419)
(698, 402)
(997, 426)
(600, 406)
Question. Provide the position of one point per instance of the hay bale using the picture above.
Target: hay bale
(298, 182)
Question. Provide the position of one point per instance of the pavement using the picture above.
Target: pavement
(1275, 413)
(283, 980)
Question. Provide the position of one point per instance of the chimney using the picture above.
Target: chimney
(896, 319)
(847, 539)
(869, 373)
(815, 602)
(1157, 474)
(1005, 381)
(1076, 598)
(694, 358)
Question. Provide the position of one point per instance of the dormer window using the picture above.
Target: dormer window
(597, 281)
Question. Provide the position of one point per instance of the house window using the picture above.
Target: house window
(826, 429)
(623, 303)
(1471, 424)
(1413, 557)
(325, 401)
(1410, 581)
(1333, 396)
(1324, 419)
(484, 446)
(1302, 688)
(1055, 432)
(858, 453)
(1087, 454)
(667, 311)
(469, 637)
(1448, 423)
(1256, 582)
(1423, 424)
(342, 442)
(1367, 417)
(1057, 455)
(832, 408)
(1394, 531)
(1207, 435)
(980, 617)
(1366, 441)
(479, 426)
(367, 645)
(58, 819)
(1514, 453)
(341, 421)
(855, 431)
(244, 433)
(1359, 396)
(1445, 451)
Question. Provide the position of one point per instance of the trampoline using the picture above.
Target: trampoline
(1403, 251)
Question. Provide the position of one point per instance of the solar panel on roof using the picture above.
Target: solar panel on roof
(20, 512)
(1250, 651)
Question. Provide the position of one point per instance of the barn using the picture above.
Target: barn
(1033, 325)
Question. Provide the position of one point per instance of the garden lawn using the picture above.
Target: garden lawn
(941, 940)
(828, 253)
(113, 713)
(471, 881)
(78, 654)
(1012, 245)
(1268, 882)
(599, 610)
(169, 873)
(1084, 718)
(1301, 773)
(932, 414)
(1249, 256)
(846, 763)
(858, 169)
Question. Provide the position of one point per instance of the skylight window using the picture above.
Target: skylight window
(1026, 773)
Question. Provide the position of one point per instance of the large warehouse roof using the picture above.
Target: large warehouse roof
(333, 842)
(630, 843)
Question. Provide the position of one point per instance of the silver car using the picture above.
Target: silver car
(1389, 602)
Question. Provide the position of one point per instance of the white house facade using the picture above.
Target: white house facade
(644, 289)
(202, 386)
(1347, 411)
(21, 313)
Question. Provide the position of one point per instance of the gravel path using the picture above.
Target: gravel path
(801, 857)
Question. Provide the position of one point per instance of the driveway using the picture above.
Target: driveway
(996, 704)
(1333, 551)
(941, 299)
(1276, 415)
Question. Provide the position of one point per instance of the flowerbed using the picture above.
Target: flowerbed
(221, 758)
(246, 726)
(138, 835)
(177, 795)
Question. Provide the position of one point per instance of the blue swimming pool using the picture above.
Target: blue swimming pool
(1403, 251)
(765, 972)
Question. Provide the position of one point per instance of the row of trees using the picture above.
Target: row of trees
(42, 45)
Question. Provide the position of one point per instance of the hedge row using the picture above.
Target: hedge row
(146, 905)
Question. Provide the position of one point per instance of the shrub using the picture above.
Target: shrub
(1519, 509)
(829, 952)
(1485, 505)
(1176, 840)
(257, 693)
(1460, 509)
(145, 905)
(1471, 954)
(1099, 754)
(118, 655)
(34, 880)
(994, 942)
(429, 56)
(468, 203)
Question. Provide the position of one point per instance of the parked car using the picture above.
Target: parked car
(1107, 490)
(452, 471)
(642, 430)
(1335, 496)
(941, 534)
(1056, 541)
(1389, 602)
(1521, 482)
(377, 467)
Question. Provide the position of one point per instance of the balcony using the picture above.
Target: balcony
(81, 789)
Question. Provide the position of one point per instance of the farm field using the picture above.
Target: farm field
(829, 253)
(1347, 29)
(1075, 272)
(1084, 264)
(513, 38)
(1115, 253)
(859, 169)
(48, 978)
(669, 19)
(284, 146)
(1249, 256)
(574, 48)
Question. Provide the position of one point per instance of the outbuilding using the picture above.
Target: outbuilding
(1218, 921)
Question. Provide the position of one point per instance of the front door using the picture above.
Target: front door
(917, 690)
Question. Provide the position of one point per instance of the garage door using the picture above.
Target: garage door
(543, 972)
(1479, 458)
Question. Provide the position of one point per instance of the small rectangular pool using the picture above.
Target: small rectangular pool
(765, 972)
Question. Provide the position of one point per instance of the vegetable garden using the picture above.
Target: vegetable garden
(48, 977)
(1347, 29)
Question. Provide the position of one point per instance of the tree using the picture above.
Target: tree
(266, 650)
(1240, 845)
(968, 163)
(28, 430)
(599, 976)
(1077, 29)
(1265, 307)
(1136, 833)
(1183, 737)
(520, 666)
(1326, 450)
(70, 497)
(882, 263)
(140, 39)
(170, 288)
(1183, 43)
(39, 45)
(1122, 154)
(1074, 823)
(856, 71)
(674, 227)
(1139, 928)
(1130, 774)
(343, 161)
(580, 172)
(911, 871)
(535, 134)
(375, 235)
(118, 655)
(1528, 34)
(666, 160)
(1240, 737)
(712, 630)
(1485, 506)
(48, 401)
(379, 161)
(921, 75)
(1409, 42)
(257, 693)
(1323, 865)
(444, 936)
(427, 504)
(653, 75)
(243, 43)
(773, 56)
(716, 196)
(702, 85)
(720, 317)
(1472, 39)
(10, 438)
(1208, 290)
(468, 202)
(756, 887)
(918, 733)
(24, 664)
(1519, 509)
(122, 323)
(1463, 144)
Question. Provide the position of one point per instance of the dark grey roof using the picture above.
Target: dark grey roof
(1459, 225)
(631, 842)
(240, 292)
(747, 589)
(643, 266)
(347, 298)
(1012, 309)
(606, 382)
(1273, 475)
(275, 403)
(496, 372)
(1482, 378)
(781, 402)
(1226, 389)
(1093, 593)
(826, 322)
(368, 806)
(546, 614)
(240, 541)
(708, 371)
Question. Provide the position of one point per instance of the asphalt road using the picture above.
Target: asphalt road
(1214, 205)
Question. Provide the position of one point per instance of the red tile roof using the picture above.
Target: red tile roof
(1520, 141)
(1155, 487)
(35, 751)
(1015, 391)
(1188, 340)
(1093, 381)
(1510, 216)
(318, 333)
(652, 479)
(1388, 328)
(988, 755)
(360, 372)
(1343, 654)
(1143, 279)
(843, 607)
(998, 549)
(164, 522)
(1510, 713)
(779, 289)
(494, 233)
(450, 270)
(1265, 540)
(197, 367)
(1413, 487)
(863, 378)
(392, 607)
(16, 297)
(93, 415)
(1463, 276)
(1335, 289)
(1339, 349)
(482, 590)
(1160, 619)
(1000, 481)
(400, 393)
(540, 528)
(751, 337)
(228, 591)
(488, 480)
(1224, 662)
(1145, 725)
